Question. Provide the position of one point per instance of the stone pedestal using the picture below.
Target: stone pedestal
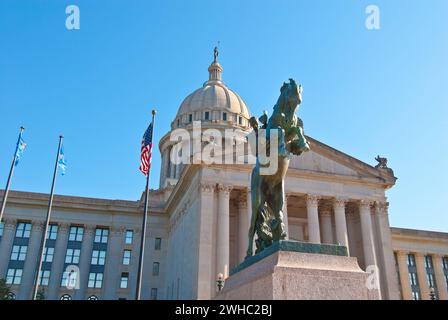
(290, 270)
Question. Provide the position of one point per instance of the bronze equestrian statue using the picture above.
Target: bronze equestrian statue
(267, 191)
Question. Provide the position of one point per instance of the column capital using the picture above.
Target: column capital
(381, 207)
(419, 255)
(206, 187)
(401, 253)
(63, 227)
(117, 231)
(312, 200)
(365, 203)
(89, 228)
(10, 223)
(224, 188)
(339, 202)
(38, 225)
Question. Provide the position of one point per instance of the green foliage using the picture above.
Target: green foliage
(4, 290)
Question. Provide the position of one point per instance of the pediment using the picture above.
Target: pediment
(325, 159)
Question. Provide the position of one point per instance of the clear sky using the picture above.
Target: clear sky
(366, 92)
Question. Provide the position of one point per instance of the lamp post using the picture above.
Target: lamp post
(432, 294)
(220, 281)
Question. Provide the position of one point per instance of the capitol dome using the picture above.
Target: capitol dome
(214, 103)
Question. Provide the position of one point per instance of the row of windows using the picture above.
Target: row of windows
(76, 233)
(430, 275)
(206, 117)
(14, 276)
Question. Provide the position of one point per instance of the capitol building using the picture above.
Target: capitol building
(199, 219)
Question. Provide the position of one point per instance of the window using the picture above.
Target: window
(155, 268)
(431, 281)
(190, 118)
(127, 257)
(48, 254)
(19, 253)
(92, 297)
(2, 227)
(66, 297)
(224, 116)
(69, 279)
(98, 257)
(413, 278)
(445, 263)
(95, 280)
(158, 244)
(207, 115)
(411, 260)
(52, 232)
(178, 123)
(101, 235)
(415, 295)
(240, 120)
(129, 236)
(14, 276)
(23, 230)
(428, 262)
(44, 277)
(76, 234)
(153, 294)
(124, 280)
(72, 256)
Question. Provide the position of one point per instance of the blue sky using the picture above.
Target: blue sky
(366, 92)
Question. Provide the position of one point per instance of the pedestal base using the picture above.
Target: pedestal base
(294, 271)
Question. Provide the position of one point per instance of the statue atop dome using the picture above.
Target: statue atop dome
(215, 55)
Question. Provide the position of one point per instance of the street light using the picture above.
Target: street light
(220, 281)
(432, 294)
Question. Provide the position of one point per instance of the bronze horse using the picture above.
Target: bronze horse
(267, 191)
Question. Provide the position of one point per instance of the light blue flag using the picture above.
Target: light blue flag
(21, 145)
(62, 163)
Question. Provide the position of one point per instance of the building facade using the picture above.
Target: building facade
(199, 220)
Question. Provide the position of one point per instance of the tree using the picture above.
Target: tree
(4, 290)
(40, 294)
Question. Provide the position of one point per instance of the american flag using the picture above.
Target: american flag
(146, 152)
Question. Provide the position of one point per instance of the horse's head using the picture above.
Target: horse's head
(290, 94)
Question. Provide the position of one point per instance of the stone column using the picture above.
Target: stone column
(402, 259)
(114, 256)
(312, 202)
(243, 225)
(6, 245)
(386, 261)
(421, 275)
(285, 216)
(440, 277)
(340, 222)
(31, 260)
(207, 227)
(327, 229)
(57, 267)
(367, 234)
(84, 261)
(368, 245)
(222, 264)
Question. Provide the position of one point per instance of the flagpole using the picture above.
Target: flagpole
(43, 240)
(145, 215)
(11, 172)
